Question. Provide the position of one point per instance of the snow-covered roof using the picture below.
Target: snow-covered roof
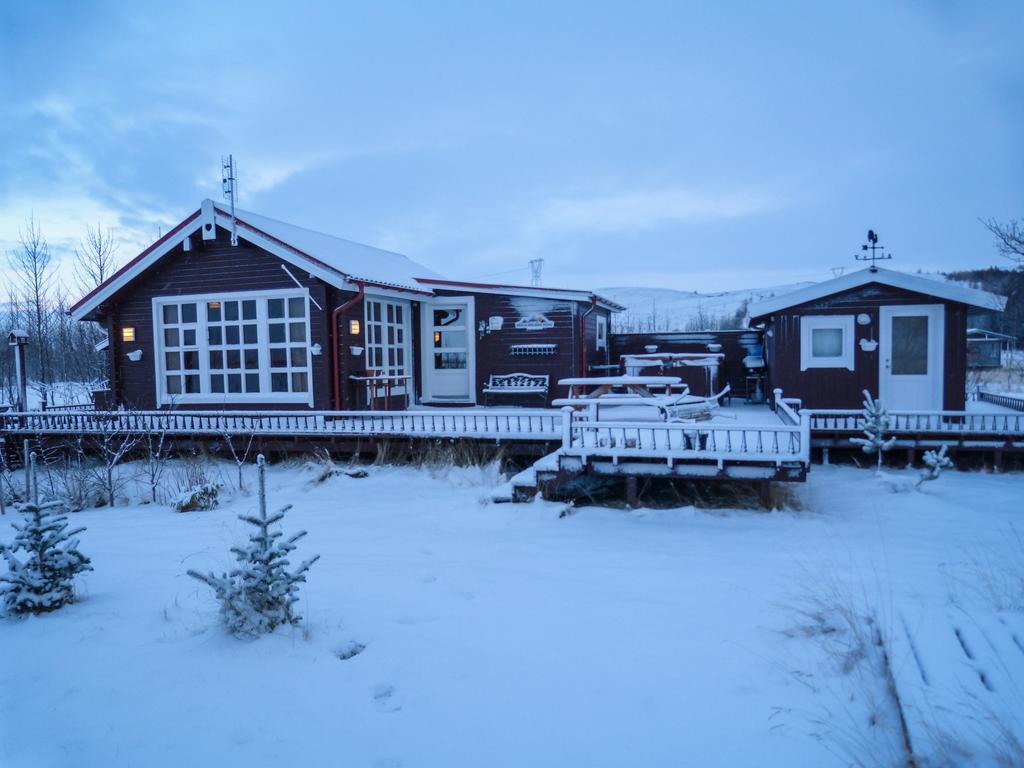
(915, 283)
(357, 261)
(567, 294)
(339, 262)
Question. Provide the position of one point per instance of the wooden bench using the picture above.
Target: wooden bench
(517, 384)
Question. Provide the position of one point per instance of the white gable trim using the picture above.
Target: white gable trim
(907, 282)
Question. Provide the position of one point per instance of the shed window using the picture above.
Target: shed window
(602, 332)
(826, 341)
(233, 348)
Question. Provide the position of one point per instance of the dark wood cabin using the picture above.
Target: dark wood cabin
(901, 337)
(287, 318)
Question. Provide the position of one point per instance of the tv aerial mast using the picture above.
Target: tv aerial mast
(875, 255)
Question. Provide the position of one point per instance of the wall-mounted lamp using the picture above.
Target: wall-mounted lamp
(316, 350)
(128, 333)
(353, 327)
(437, 338)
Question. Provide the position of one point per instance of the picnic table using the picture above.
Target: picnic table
(590, 393)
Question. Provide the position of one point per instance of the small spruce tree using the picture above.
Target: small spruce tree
(876, 425)
(43, 579)
(260, 593)
(934, 463)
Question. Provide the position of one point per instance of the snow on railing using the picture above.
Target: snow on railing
(922, 422)
(499, 425)
(787, 408)
(1015, 402)
(775, 443)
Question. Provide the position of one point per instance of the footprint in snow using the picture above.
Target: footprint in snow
(386, 698)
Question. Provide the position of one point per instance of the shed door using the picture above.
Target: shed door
(911, 345)
(448, 350)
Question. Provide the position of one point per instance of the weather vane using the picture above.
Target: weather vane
(875, 255)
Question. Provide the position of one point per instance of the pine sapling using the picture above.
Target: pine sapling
(260, 593)
(43, 579)
(934, 463)
(876, 425)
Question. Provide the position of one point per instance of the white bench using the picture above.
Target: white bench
(517, 384)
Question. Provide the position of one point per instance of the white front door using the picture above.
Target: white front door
(911, 346)
(448, 350)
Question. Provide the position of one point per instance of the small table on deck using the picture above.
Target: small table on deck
(388, 381)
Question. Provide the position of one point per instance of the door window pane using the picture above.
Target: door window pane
(910, 345)
(827, 342)
(448, 361)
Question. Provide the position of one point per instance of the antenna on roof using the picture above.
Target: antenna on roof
(536, 265)
(228, 184)
(873, 246)
(837, 271)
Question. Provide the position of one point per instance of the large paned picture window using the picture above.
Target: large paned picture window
(387, 338)
(233, 347)
(826, 341)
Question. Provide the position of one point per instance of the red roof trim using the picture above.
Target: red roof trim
(135, 261)
(466, 284)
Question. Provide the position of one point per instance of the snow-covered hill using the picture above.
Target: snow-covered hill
(665, 309)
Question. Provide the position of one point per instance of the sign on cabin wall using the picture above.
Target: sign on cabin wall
(533, 313)
(534, 322)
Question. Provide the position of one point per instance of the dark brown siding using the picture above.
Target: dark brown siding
(494, 349)
(736, 345)
(211, 266)
(842, 388)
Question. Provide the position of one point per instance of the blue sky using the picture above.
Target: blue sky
(692, 146)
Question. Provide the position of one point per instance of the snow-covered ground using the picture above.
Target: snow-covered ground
(504, 635)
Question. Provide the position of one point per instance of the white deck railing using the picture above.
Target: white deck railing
(497, 425)
(775, 443)
(923, 422)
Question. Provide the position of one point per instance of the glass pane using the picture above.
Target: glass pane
(252, 358)
(234, 382)
(170, 313)
(451, 339)
(215, 335)
(910, 345)
(170, 337)
(444, 317)
(188, 313)
(826, 342)
(299, 382)
(188, 337)
(297, 331)
(213, 313)
(279, 382)
(230, 334)
(234, 358)
(174, 385)
(191, 360)
(172, 361)
(252, 382)
(298, 357)
(231, 310)
(450, 361)
(192, 382)
(249, 334)
(278, 357)
(248, 309)
(391, 313)
(276, 333)
(217, 383)
(297, 307)
(275, 308)
(217, 359)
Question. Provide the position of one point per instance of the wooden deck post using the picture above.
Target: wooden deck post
(911, 457)
(764, 495)
(632, 493)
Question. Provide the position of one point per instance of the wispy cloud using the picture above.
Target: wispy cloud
(641, 209)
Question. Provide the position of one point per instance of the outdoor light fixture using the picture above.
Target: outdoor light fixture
(128, 333)
(437, 338)
(353, 327)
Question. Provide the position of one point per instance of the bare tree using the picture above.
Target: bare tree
(95, 257)
(112, 444)
(1009, 239)
(33, 269)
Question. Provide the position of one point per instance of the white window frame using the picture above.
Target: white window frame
(409, 365)
(602, 332)
(205, 395)
(811, 323)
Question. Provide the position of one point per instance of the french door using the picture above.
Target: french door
(387, 348)
(911, 351)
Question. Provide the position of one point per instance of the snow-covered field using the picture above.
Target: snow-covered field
(504, 635)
